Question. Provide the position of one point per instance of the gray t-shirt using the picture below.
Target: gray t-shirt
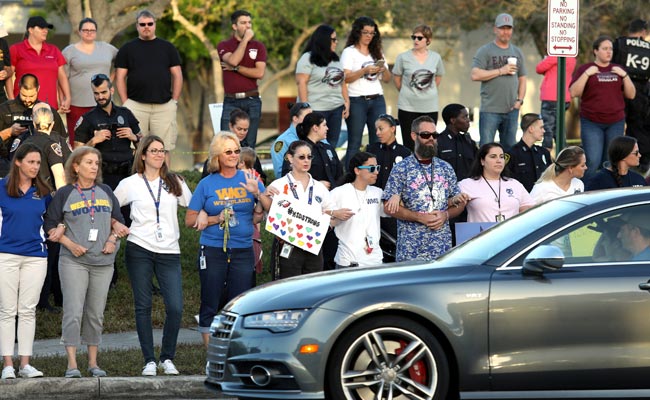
(324, 86)
(69, 207)
(81, 67)
(419, 92)
(498, 95)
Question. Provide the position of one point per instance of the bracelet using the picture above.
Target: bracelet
(332, 214)
(625, 76)
(115, 236)
(112, 241)
(61, 225)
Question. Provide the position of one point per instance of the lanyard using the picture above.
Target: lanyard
(428, 180)
(295, 194)
(497, 197)
(155, 201)
(91, 205)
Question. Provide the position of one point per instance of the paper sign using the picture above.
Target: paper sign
(467, 230)
(298, 223)
(216, 109)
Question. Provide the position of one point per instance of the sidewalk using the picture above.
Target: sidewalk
(158, 387)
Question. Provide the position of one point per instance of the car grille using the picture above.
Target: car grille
(221, 331)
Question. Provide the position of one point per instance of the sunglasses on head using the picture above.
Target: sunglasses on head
(427, 135)
(229, 152)
(143, 24)
(302, 157)
(418, 38)
(391, 120)
(371, 168)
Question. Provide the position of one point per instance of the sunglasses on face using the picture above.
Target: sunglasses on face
(368, 33)
(334, 39)
(636, 153)
(427, 135)
(230, 152)
(303, 157)
(143, 24)
(157, 151)
(371, 168)
(418, 38)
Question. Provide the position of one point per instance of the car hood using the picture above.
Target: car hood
(309, 291)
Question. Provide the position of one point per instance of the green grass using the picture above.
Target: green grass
(119, 314)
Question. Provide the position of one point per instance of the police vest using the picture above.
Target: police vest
(634, 55)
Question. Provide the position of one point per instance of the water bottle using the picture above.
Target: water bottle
(232, 220)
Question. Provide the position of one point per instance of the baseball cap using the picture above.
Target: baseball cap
(504, 20)
(38, 21)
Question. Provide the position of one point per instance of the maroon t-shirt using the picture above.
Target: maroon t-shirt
(234, 82)
(602, 100)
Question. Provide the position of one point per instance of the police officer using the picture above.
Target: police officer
(633, 53)
(16, 122)
(527, 160)
(454, 143)
(111, 129)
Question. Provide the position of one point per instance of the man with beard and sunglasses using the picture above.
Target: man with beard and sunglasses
(427, 188)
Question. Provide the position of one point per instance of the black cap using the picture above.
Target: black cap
(38, 21)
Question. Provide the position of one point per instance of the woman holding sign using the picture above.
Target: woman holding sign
(224, 207)
(300, 186)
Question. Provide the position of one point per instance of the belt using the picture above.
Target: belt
(243, 95)
(370, 97)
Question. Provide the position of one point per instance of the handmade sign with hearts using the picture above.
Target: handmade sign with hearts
(298, 223)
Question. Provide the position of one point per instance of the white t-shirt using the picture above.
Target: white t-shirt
(484, 202)
(368, 84)
(352, 233)
(320, 195)
(133, 191)
(549, 190)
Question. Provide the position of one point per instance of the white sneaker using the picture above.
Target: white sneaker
(168, 367)
(207, 368)
(149, 369)
(8, 373)
(29, 372)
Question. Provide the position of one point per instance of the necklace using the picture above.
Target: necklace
(360, 201)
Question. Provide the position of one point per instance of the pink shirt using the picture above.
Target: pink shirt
(488, 201)
(548, 68)
(45, 66)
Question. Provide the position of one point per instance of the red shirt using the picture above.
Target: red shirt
(548, 68)
(602, 100)
(45, 66)
(234, 82)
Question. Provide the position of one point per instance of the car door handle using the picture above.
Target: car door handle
(644, 286)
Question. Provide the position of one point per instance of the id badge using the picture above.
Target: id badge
(92, 234)
(500, 217)
(286, 250)
(159, 235)
(202, 264)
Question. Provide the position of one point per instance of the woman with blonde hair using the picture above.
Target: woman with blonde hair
(562, 177)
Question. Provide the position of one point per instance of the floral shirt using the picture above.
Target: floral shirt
(422, 188)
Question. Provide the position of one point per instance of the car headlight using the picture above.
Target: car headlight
(275, 321)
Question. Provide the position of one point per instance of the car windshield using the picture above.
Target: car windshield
(494, 240)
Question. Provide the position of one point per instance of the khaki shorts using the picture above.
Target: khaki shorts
(156, 119)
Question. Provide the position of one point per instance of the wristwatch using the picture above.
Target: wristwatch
(236, 68)
(521, 101)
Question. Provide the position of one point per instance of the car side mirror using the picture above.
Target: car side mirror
(543, 258)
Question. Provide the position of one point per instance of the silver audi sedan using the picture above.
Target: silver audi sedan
(553, 303)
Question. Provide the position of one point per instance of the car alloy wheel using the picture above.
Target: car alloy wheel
(389, 358)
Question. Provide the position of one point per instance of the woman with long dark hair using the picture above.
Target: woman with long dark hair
(364, 65)
(320, 80)
(494, 196)
(24, 197)
(359, 235)
(624, 155)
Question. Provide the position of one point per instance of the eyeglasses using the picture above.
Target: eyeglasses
(371, 168)
(230, 152)
(427, 135)
(368, 33)
(89, 30)
(143, 24)
(157, 151)
(418, 38)
(334, 40)
(103, 77)
(303, 157)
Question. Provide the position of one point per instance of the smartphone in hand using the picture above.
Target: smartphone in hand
(380, 63)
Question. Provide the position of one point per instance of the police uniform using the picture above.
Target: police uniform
(117, 155)
(52, 154)
(528, 163)
(459, 150)
(633, 54)
(13, 111)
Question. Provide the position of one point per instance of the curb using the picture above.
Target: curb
(159, 387)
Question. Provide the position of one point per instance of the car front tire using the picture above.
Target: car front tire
(390, 358)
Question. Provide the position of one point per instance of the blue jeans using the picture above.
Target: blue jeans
(362, 112)
(221, 280)
(505, 123)
(334, 119)
(252, 106)
(142, 264)
(549, 115)
(595, 141)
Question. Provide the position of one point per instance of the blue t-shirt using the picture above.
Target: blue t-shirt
(211, 195)
(21, 222)
(280, 147)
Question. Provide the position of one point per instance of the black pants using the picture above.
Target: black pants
(637, 119)
(52, 284)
